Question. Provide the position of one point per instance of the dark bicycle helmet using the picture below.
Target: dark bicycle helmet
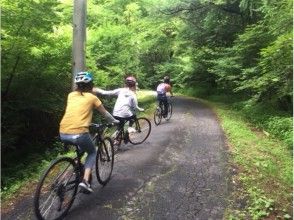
(130, 81)
(166, 79)
(83, 77)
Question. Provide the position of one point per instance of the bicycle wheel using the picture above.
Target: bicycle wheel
(169, 111)
(142, 128)
(157, 116)
(56, 189)
(104, 161)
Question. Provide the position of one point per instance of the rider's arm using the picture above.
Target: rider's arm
(135, 104)
(104, 92)
(106, 114)
(140, 109)
(169, 89)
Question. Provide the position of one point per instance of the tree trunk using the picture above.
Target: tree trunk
(79, 37)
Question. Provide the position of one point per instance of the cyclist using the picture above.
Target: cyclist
(126, 103)
(74, 126)
(162, 89)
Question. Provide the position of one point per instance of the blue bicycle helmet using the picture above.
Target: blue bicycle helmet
(83, 77)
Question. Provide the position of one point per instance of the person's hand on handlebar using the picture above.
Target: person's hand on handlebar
(141, 109)
(115, 122)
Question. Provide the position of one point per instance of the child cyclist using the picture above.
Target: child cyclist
(126, 102)
(161, 90)
(74, 126)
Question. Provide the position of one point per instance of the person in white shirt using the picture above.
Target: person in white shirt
(126, 103)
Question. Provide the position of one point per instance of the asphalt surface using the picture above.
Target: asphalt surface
(180, 172)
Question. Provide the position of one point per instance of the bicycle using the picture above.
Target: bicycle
(160, 109)
(141, 128)
(58, 186)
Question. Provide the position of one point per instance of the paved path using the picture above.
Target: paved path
(179, 173)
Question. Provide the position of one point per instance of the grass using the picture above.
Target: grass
(147, 100)
(262, 167)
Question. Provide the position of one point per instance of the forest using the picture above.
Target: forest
(235, 51)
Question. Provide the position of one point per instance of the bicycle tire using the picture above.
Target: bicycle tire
(143, 128)
(62, 176)
(157, 116)
(104, 161)
(169, 111)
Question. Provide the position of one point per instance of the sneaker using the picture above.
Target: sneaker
(86, 186)
(131, 130)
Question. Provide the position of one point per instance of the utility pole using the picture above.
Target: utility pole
(79, 38)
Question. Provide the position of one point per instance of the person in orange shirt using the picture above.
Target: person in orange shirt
(74, 126)
(161, 90)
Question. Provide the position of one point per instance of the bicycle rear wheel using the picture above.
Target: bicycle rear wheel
(56, 189)
(142, 128)
(157, 116)
(104, 161)
(169, 111)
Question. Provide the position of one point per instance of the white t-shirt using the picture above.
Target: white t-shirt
(126, 103)
(163, 88)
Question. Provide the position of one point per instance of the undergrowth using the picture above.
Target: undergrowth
(263, 167)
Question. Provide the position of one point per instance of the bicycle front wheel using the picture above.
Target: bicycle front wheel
(56, 190)
(169, 111)
(142, 129)
(104, 161)
(157, 116)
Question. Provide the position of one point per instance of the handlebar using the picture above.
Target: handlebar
(108, 125)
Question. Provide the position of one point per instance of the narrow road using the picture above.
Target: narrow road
(180, 172)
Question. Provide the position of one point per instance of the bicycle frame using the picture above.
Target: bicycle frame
(99, 134)
(122, 132)
(162, 107)
(77, 159)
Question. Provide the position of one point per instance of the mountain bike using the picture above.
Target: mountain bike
(135, 131)
(160, 109)
(58, 186)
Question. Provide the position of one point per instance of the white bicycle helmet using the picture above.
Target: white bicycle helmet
(83, 77)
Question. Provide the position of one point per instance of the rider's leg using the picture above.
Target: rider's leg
(165, 103)
(118, 129)
(160, 98)
(85, 144)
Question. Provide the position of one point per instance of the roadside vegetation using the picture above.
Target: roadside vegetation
(259, 141)
(262, 168)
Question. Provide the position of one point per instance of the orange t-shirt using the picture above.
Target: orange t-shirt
(78, 113)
